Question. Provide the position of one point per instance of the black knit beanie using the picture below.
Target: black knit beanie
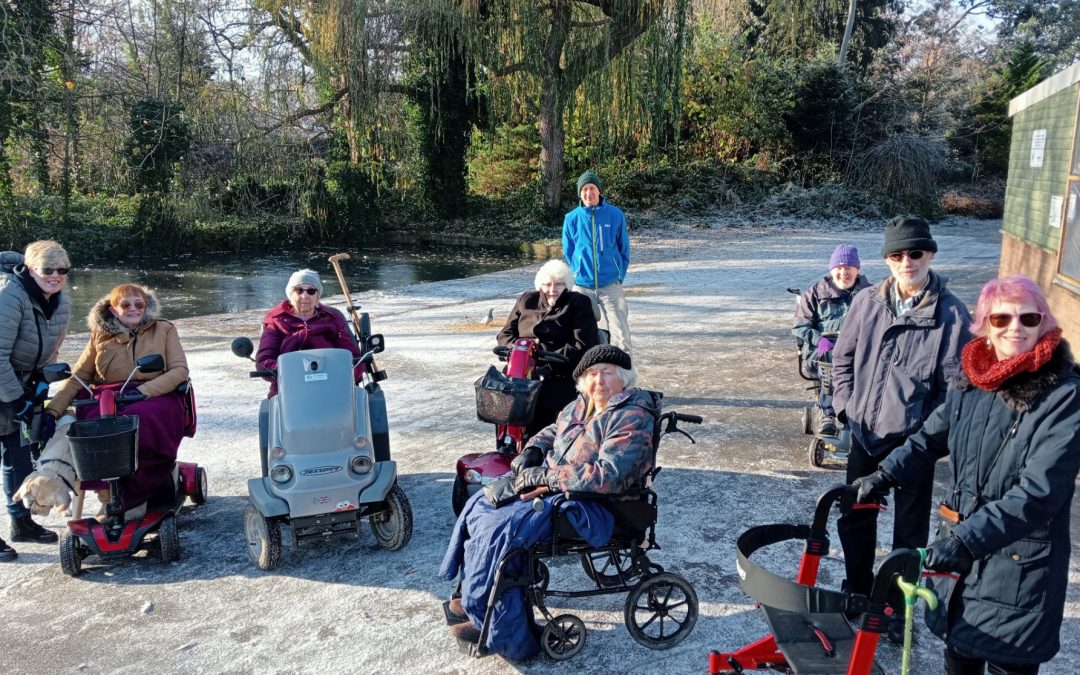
(602, 354)
(907, 233)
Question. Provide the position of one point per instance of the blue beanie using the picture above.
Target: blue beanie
(845, 254)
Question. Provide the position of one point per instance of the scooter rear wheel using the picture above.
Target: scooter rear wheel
(70, 556)
(200, 493)
(393, 527)
(263, 539)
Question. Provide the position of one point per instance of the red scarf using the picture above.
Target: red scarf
(985, 371)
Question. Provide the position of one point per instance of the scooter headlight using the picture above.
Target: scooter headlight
(472, 476)
(281, 473)
(360, 464)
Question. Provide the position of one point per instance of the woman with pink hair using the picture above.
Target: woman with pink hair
(1009, 425)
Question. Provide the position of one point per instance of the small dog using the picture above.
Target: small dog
(51, 485)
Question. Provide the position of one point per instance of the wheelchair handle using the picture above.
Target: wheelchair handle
(692, 419)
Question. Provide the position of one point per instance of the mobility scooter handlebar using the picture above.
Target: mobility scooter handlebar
(542, 355)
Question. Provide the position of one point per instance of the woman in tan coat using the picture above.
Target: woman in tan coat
(124, 327)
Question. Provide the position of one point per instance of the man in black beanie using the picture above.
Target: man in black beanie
(900, 345)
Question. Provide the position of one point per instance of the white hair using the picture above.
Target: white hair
(628, 377)
(555, 269)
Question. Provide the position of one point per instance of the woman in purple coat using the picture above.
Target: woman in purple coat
(302, 322)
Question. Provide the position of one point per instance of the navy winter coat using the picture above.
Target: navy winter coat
(822, 309)
(889, 372)
(1009, 607)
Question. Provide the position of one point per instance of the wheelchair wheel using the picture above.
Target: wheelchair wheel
(817, 452)
(606, 566)
(807, 420)
(563, 637)
(661, 611)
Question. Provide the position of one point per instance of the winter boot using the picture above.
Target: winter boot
(23, 528)
(7, 554)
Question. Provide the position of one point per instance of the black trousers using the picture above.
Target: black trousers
(858, 529)
(959, 663)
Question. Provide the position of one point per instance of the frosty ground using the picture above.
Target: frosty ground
(710, 318)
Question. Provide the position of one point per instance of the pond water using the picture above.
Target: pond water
(195, 285)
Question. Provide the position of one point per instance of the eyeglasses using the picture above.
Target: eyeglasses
(62, 271)
(301, 291)
(1027, 319)
(899, 255)
(129, 304)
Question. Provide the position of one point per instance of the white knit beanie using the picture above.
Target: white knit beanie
(303, 277)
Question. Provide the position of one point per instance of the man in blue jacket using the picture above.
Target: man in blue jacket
(596, 245)
(900, 345)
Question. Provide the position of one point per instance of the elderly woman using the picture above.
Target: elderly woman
(1009, 425)
(302, 322)
(562, 321)
(34, 315)
(601, 443)
(125, 326)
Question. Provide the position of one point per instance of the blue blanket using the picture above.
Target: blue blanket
(484, 534)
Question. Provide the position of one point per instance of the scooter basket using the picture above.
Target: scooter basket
(506, 400)
(104, 448)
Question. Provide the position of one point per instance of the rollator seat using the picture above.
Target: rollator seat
(804, 650)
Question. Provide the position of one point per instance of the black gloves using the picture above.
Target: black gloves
(949, 555)
(529, 457)
(48, 428)
(530, 477)
(873, 487)
(501, 492)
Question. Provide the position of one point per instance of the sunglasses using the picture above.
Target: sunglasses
(1027, 319)
(309, 291)
(129, 304)
(899, 255)
(62, 271)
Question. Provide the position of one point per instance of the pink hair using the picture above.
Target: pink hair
(1014, 288)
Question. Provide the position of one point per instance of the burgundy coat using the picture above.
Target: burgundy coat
(284, 332)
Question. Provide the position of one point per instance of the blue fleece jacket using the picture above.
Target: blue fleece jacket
(596, 244)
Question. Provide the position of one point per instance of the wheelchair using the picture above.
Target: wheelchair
(661, 607)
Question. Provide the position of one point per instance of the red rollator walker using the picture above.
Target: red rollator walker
(506, 399)
(811, 632)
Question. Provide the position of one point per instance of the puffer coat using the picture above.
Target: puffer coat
(110, 355)
(28, 339)
(1015, 509)
(890, 372)
(822, 309)
(607, 453)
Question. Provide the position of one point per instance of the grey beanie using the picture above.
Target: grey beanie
(602, 354)
(303, 277)
(907, 233)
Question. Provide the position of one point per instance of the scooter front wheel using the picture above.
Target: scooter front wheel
(459, 496)
(393, 526)
(263, 539)
(70, 555)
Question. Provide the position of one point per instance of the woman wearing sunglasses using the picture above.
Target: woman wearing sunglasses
(124, 326)
(34, 313)
(302, 322)
(1009, 425)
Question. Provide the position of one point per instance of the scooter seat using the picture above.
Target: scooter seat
(813, 643)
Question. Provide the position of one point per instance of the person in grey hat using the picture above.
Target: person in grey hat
(596, 245)
(301, 321)
(900, 345)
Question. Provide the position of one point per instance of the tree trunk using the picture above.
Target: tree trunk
(847, 32)
(552, 146)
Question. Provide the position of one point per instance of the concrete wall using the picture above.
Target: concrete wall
(1018, 257)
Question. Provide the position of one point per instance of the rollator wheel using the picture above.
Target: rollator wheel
(263, 539)
(606, 567)
(563, 637)
(817, 452)
(168, 540)
(70, 556)
(807, 420)
(661, 611)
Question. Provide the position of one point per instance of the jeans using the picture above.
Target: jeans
(15, 456)
(959, 663)
(858, 529)
(613, 312)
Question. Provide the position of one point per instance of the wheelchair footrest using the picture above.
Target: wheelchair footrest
(813, 643)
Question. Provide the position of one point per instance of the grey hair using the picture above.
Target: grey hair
(555, 269)
(628, 377)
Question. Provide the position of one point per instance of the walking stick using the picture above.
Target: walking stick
(335, 260)
(912, 592)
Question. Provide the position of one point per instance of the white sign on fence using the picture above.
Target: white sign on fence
(1038, 146)
(1056, 203)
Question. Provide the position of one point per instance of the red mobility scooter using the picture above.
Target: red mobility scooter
(105, 450)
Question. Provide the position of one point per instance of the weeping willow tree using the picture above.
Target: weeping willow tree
(609, 66)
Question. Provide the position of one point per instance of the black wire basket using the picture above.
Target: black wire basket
(105, 448)
(506, 400)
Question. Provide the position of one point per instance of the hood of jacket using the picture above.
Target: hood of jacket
(1024, 391)
(102, 320)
